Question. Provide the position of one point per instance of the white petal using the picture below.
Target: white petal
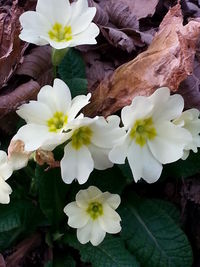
(76, 164)
(78, 8)
(160, 96)
(58, 45)
(143, 164)
(169, 110)
(35, 112)
(84, 197)
(113, 200)
(77, 104)
(140, 108)
(77, 216)
(82, 22)
(119, 153)
(18, 160)
(57, 98)
(100, 157)
(106, 134)
(110, 221)
(55, 11)
(34, 27)
(169, 143)
(97, 233)
(86, 37)
(5, 167)
(5, 191)
(84, 233)
(34, 136)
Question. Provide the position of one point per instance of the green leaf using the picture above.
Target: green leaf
(72, 72)
(49, 264)
(17, 218)
(52, 194)
(153, 236)
(110, 253)
(126, 171)
(63, 260)
(111, 180)
(183, 168)
(168, 208)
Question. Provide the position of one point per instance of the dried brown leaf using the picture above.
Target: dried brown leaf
(42, 157)
(22, 249)
(167, 62)
(11, 48)
(101, 16)
(2, 261)
(121, 15)
(190, 88)
(23, 93)
(142, 8)
(37, 65)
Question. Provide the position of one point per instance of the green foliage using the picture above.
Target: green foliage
(110, 253)
(52, 194)
(63, 260)
(111, 180)
(183, 168)
(72, 72)
(18, 218)
(152, 235)
(168, 208)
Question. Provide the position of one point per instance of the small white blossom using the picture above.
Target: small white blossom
(152, 138)
(47, 117)
(60, 24)
(91, 141)
(189, 120)
(93, 214)
(5, 173)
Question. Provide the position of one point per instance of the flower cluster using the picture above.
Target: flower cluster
(152, 130)
(59, 24)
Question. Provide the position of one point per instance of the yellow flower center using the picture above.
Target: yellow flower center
(143, 130)
(95, 210)
(60, 33)
(57, 122)
(81, 136)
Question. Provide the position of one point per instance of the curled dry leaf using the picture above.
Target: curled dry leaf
(2, 261)
(189, 88)
(22, 250)
(101, 16)
(142, 8)
(119, 25)
(42, 157)
(37, 65)
(11, 48)
(121, 15)
(167, 62)
(9, 102)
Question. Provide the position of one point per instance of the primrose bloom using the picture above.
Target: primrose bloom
(93, 214)
(5, 173)
(88, 147)
(152, 138)
(189, 120)
(47, 117)
(60, 24)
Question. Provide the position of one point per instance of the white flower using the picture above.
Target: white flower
(5, 173)
(152, 139)
(59, 24)
(91, 141)
(93, 214)
(47, 117)
(189, 120)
